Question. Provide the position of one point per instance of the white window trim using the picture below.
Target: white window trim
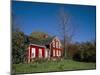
(46, 53)
(54, 52)
(57, 44)
(59, 53)
(33, 52)
(40, 53)
(53, 44)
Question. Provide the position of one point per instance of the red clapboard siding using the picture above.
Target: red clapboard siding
(37, 51)
(43, 52)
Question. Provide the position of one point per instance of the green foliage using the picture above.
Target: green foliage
(77, 56)
(19, 46)
(40, 38)
(40, 60)
(86, 52)
(71, 50)
(38, 35)
(50, 66)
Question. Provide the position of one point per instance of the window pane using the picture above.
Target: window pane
(53, 44)
(40, 53)
(53, 52)
(57, 52)
(33, 52)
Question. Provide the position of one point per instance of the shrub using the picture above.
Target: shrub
(86, 53)
(77, 56)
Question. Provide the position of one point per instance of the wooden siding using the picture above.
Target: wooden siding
(54, 50)
(36, 52)
(56, 47)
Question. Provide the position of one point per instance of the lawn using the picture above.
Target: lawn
(52, 66)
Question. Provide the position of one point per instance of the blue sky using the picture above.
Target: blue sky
(32, 16)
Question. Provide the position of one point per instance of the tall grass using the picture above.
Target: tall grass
(64, 65)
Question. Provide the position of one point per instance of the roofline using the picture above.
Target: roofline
(37, 45)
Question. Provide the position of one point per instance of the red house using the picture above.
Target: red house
(48, 48)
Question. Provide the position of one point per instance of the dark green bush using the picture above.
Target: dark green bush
(86, 53)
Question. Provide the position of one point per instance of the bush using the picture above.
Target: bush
(40, 60)
(77, 56)
(86, 53)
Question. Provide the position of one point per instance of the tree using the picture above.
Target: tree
(86, 52)
(72, 49)
(19, 46)
(19, 43)
(66, 30)
(38, 35)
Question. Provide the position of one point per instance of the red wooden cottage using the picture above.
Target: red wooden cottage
(48, 48)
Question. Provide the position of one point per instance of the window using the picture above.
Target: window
(53, 44)
(40, 53)
(53, 52)
(59, 53)
(57, 44)
(33, 52)
(46, 53)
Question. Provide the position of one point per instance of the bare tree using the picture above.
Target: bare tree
(66, 30)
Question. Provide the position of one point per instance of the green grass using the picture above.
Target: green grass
(52, 66)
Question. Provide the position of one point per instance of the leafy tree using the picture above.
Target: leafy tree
(19, 46)
(72, 49)
(86, 52)
(19, 42)
(38, 35)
